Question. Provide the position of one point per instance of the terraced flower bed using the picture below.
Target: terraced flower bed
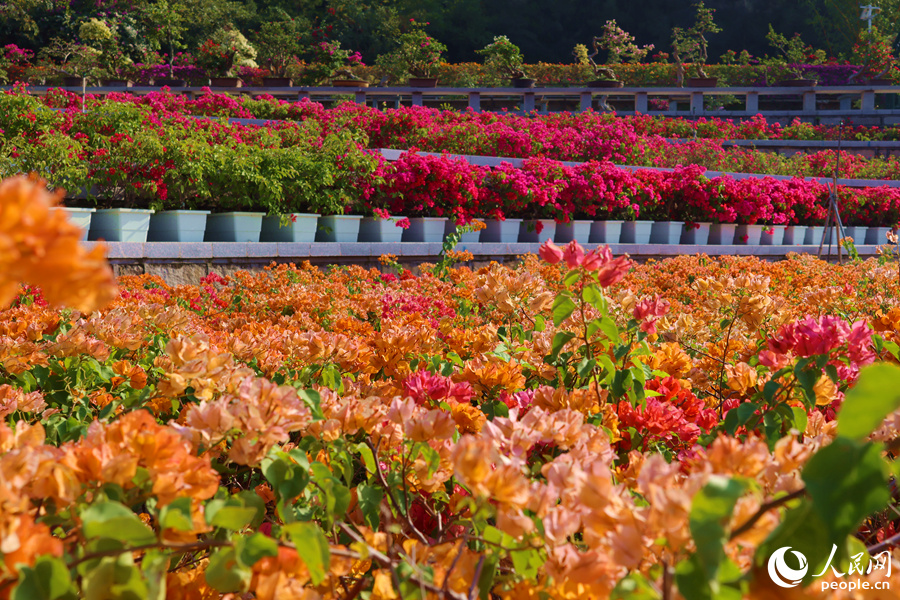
(576, 426)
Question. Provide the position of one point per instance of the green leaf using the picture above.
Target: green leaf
(594, 297)
(711, 510)
(563, 307)
(117, 521)
(368, 458)
(803, 531)
(608, 326)
(225, 573)
(527, 562)
(49, 579)
(560, 339)
(875, 395)
(312, 546)
(286, 477)
(313, 400)
(370, 498)
(254, 548)
(847, 481)
(114, 578)
(634, 586)
(177, 515)
(233, 518)
(739, 416)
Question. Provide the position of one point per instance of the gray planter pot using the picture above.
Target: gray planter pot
(636, 232)
(722, 234)
(814, 235)
(666, 232)
(302, 229)
(857, 233)
(503, 232)
(469, 238)
(579, 231)
(697, 235)
(120, 224)
(795, 235)
(80, 217)
(605, 232)
(338, 228)
(877, 236)
(425, 229)
(234, 227)
(380, 230)
(528, 233)
(748, 235)
(177, 226)
(772, 236)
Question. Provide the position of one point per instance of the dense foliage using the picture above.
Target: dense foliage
(152, 152)
(576, 426)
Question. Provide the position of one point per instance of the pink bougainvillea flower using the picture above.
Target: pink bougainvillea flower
(551, 252)
(573, 254)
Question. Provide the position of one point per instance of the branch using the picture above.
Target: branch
(749, 523)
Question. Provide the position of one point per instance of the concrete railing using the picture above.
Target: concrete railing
(632, 99)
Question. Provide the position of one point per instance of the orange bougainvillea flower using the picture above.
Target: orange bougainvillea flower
(39, 246)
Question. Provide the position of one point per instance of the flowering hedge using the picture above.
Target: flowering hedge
(148, 152)
(577, 426)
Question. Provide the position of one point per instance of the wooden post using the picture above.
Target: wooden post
(641, 104)
(475, 101)
(586, 101)
(752, 102)
(417, 98)
(360, 97)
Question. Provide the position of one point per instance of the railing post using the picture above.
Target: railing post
(641, 104)
(809, 101)
(752, 102)
(360, 97)
(528, 102)
(585, 101)
(697, 103)
(673, 105)
(417, 98)
(868, 101)
(302, 95)
(475, 101)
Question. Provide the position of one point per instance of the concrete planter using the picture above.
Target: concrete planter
(857, 233)
(772, 236)
(528, 231)
(80, 217)
(698, 235)
(580, 231)
(503, 232)
(814, 235)
(425, 229)
(636, 232)
(120, 224)
(470, 238)
(605, 232)
(877, 236)
(338, 228)
(795, 235)
(301, 229)
(380, 230)
(722, 234)
(666, 232)
(177, 226)
(234, 227)
(748, 235)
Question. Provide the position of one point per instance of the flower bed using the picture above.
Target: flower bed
(572, 427)
(147, 153)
